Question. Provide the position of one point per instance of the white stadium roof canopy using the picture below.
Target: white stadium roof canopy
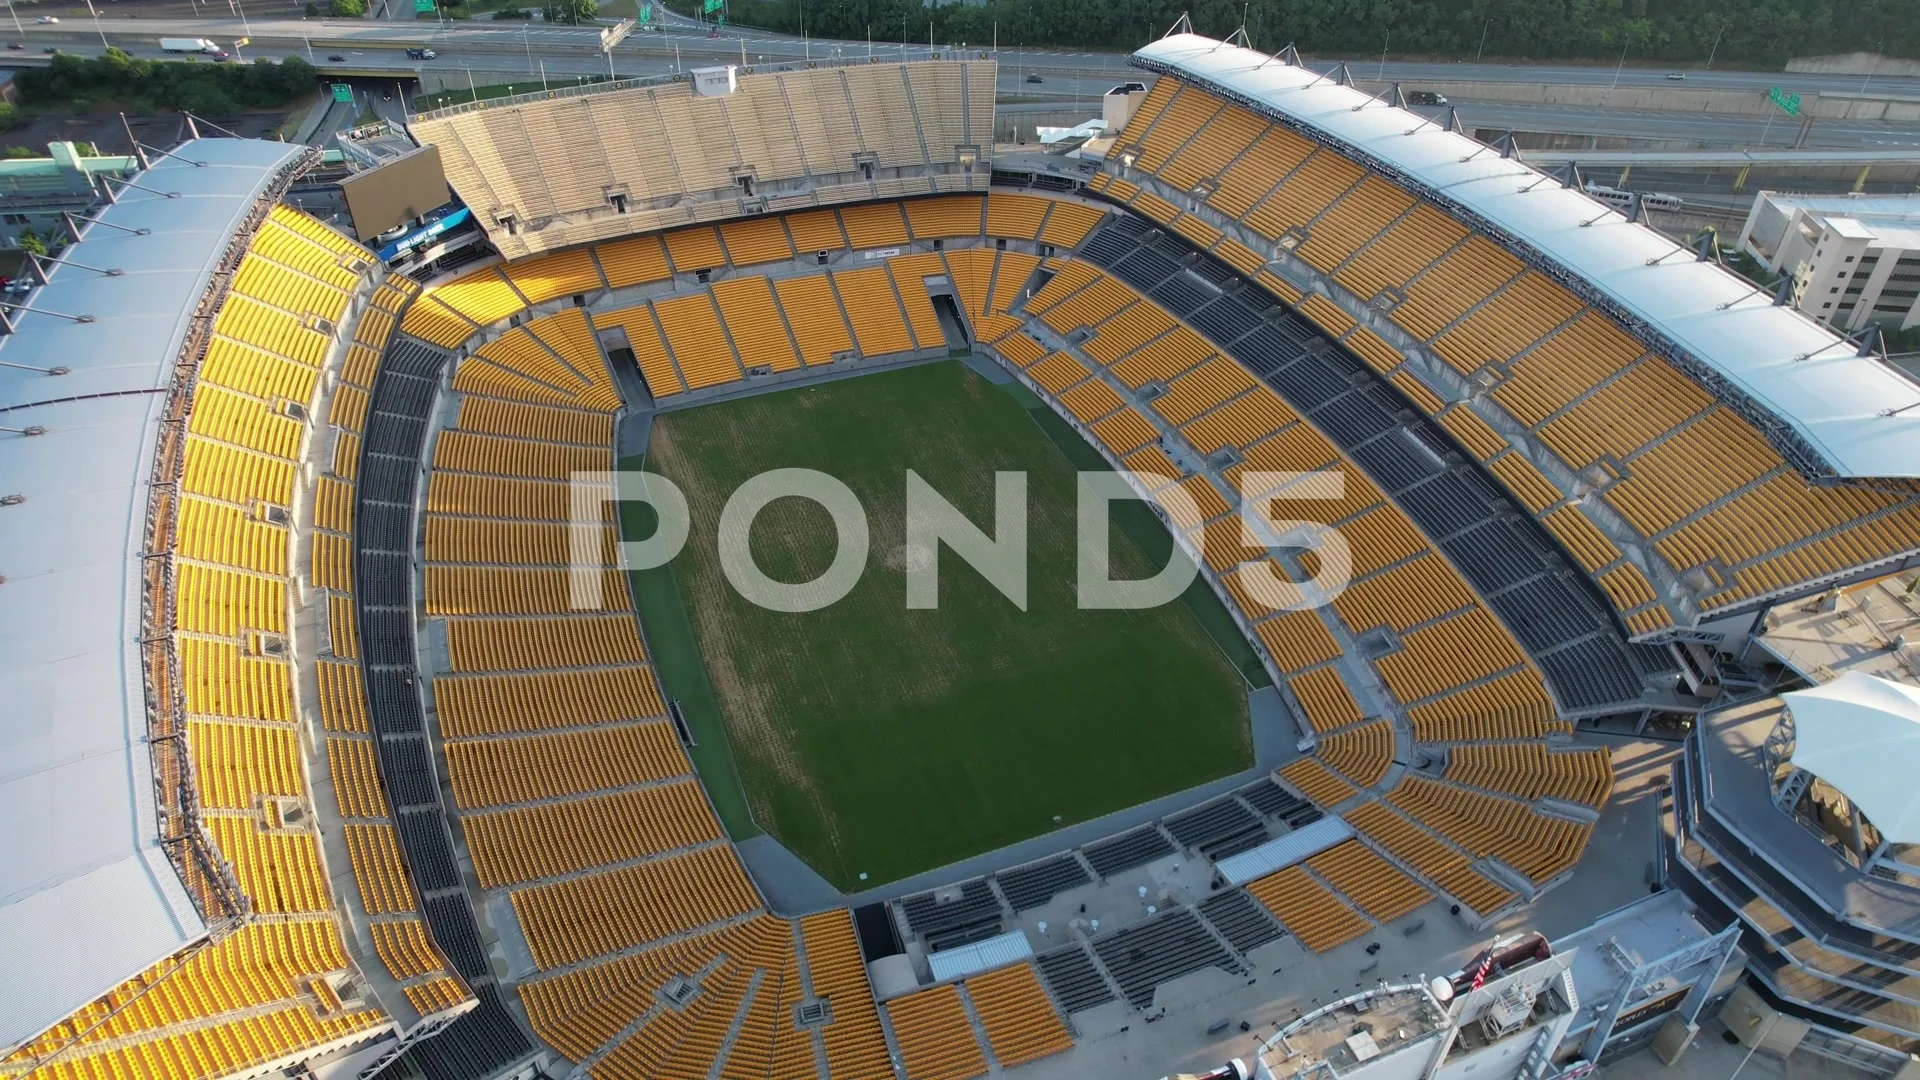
(87, 896)
(1861, 733)
(1781, 360)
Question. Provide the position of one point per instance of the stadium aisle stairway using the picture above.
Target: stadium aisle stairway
(1694, 479)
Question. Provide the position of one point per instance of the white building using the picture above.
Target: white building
(1855, 259)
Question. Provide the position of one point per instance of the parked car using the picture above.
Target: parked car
(1035, 78)
(336, 58)
(1676, 77)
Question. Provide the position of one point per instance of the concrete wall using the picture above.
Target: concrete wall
(1856, 63)
(1011, 126)
(1830, 106)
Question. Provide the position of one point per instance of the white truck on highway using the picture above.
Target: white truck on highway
(190, 45)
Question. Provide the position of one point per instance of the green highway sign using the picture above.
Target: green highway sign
(342, 92)
(712, 6)
(421, 7)
(1789, 103)
(646, 12)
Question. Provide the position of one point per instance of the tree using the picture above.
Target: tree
(21, 152)
(570, 12)
(312, 11)
(30, 242)
(9, 116)
(347, 9)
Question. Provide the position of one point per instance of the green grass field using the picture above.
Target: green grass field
(875, 740)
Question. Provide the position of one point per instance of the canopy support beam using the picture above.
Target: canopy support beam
(1790, 790)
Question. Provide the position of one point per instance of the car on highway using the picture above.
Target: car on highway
(15, 46)
(51, 49)
(336, 58)
(1676, 77)
(421, 54)
(1035, 78)
(48, 19)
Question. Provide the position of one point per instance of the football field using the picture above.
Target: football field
(872, 739)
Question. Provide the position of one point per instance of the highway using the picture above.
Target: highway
(488, 52)
(274, 36)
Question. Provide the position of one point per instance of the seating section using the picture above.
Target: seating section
(613, 798)
(855, 1047)
(401, 940)
(1309, 911)
(1531, 771)
(578, 918)
(514, 846)
(1317, 782)
(554, 172)
(1539, 846)
(1418, 850)
(1687, 474)
(742, 326)
(269, 988)
(1020, 1020)
(1364, 753)
(576, 799)
(1369, 881)
(1451, 646)
(582, 1010)
(936, 1039)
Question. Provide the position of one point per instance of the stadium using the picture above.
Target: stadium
(318, 765)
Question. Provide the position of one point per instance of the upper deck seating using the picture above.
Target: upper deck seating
(1694, 479)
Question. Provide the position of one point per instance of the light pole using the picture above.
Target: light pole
(527, 43)
(1617, 67)
(1716, 46)
(1382, 73)
(1870, 70)
(95, 12)
(1484, 27)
